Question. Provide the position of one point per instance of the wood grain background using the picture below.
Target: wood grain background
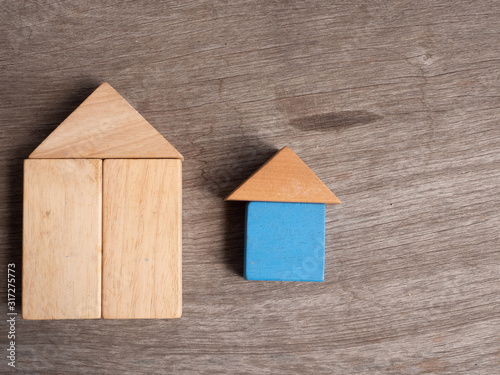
(395, 105)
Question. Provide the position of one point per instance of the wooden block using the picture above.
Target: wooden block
(142, 239)
(62, 239)
(285, 241)
(104, 126)
(284, 178)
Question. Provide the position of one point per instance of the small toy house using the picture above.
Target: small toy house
(285, 220)
(102, 217)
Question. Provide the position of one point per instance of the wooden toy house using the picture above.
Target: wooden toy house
(285, 220)
(102, 217)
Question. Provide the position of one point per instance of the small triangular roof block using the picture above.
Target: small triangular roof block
(105, 126)
(284, 178)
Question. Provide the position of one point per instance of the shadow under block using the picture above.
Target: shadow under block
(142, 239)
(285, 241)
(62, 239)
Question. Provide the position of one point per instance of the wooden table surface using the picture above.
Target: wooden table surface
(395, 105)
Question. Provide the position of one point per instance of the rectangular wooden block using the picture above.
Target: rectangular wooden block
(62, 239)
(285, 241)
(142, 239)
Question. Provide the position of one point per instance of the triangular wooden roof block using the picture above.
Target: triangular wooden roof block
(284, 178)
(104, 126)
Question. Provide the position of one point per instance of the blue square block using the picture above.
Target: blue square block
(285, 241)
